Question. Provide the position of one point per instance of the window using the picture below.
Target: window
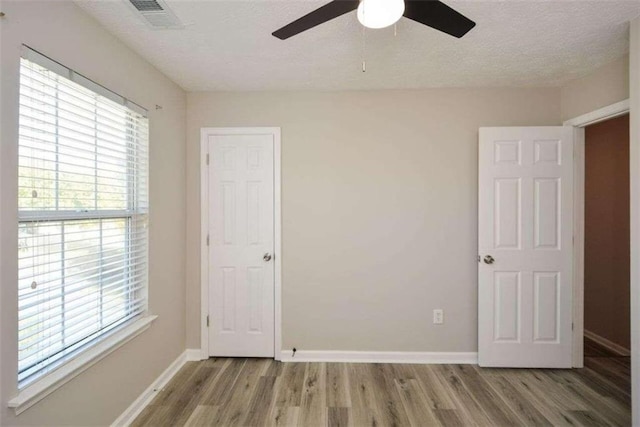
(83, 204)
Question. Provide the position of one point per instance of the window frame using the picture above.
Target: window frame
(100, 343)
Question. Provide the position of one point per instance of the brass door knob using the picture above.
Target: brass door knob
(488, 259)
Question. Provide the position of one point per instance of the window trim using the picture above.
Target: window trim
(51, 381)
(47, 382)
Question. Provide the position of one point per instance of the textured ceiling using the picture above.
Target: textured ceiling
(227, 45)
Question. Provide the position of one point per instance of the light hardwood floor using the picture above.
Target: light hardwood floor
(262, 392)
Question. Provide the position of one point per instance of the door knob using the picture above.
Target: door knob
(267, 257)
(488, 259)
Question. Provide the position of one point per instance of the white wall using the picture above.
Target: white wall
(379, 209)
(634, 73)
(65, 33)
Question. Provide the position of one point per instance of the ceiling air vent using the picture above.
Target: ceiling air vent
(147, 5)
(156, 14)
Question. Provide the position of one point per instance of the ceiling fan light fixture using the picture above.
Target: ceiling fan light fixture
(380, 13)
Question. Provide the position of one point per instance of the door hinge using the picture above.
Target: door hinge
(572, 326)
(207, 159)
(207, 240)
(207, 320)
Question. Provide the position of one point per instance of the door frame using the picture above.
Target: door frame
(579, 123)
(204, 230)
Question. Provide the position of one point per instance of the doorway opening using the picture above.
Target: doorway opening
(607, 250)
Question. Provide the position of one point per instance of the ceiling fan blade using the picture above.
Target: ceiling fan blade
(438, 15)
(323, 14)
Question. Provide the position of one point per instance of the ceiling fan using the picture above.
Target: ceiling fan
(383, 13)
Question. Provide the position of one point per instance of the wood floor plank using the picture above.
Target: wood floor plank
(190, 395)
(469, 407)
(587, 418)
(177, 386)
(603, 386)
(415, 403)
(364, 411)
(260, 404)
(337, 386)
(448, 417)
(262, 392)
(338, 417)
(551, 411)
(520, 405)
(290, 384)
(313, 405)
(386, 395)
(612, 371)
(484, 394)
(202, 416)
(233, 411)
(160, 416)
(438, 395)
(403, 371)
(275, 369)
(283, 416)
(217, 393)
(552, 390)
(604, 406)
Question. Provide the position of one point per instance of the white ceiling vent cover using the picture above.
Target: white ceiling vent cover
(156, 14)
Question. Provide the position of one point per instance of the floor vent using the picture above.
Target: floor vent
(156, 14)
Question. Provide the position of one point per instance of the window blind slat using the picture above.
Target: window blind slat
(54, 343)
(52, 310)
(83, 201)
(99, 131)
(35, 297)
(33, 143)
(25, 272)
(89, 115)
(79, 313)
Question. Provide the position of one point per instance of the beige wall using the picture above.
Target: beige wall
(64, 32)
(379, 209)
(605, 86)
(606, 240)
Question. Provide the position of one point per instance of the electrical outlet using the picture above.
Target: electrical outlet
(438, 316)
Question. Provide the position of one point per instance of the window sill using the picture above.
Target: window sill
(46, 385)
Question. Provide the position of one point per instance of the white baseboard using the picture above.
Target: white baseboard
(380, 357)
(193, 354)
(138, 405)
(610, 345)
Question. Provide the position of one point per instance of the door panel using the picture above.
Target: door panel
(525, 225)
(241, 284)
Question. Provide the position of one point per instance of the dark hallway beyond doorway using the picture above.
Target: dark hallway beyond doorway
(606, 288)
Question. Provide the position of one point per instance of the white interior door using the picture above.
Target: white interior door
(525, 247)
(241, 245)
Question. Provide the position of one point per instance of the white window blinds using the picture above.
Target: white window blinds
(83, 207)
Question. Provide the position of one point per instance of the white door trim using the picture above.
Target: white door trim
(600, 115)
(204, 226)
(580, 122)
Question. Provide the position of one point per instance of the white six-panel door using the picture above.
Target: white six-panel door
(241, 245)
(525, 247)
